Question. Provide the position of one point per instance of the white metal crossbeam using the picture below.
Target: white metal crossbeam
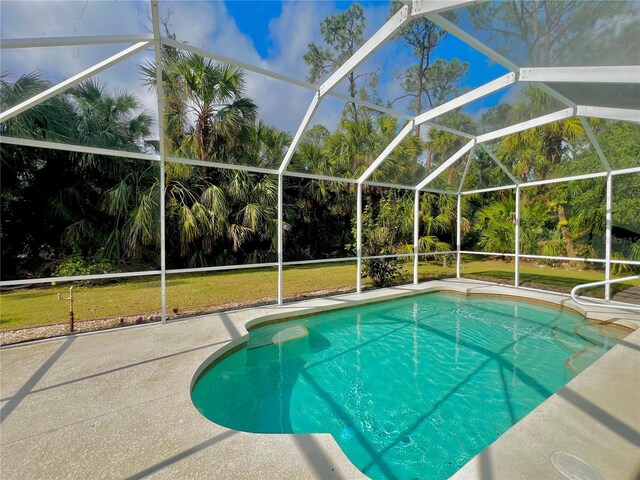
(622, 74)
(301, 129)
(594, 141)
(67, 147)
(422, 7)
(464, 173)
(497, 161)
(472, 41)
(475, 94)
(622, 114)
(400, 18)
(73, 81)
(387, 151)
(450, 130)
(519, 127)
(457, 102)
(456, 156)
(44, 42)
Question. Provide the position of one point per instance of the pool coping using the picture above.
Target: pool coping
(626, 321)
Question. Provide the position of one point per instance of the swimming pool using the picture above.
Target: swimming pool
(409, 388)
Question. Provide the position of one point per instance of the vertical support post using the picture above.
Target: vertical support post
(458, 235)
(280, 238)
(416, 234)
(517, 239)
(609, 226)
(157, 45)
(359, 238)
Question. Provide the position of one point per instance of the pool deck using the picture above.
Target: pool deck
(116, 404)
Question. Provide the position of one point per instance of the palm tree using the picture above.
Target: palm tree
(207, 115)
(108, 120)
(436, 219)
(536, 152)
(216, 216)
(495, 224)
(82, 202)
(53, 120)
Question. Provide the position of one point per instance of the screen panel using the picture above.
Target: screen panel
(527, 33)
(319, 219)
(219, 217)
(66, 214)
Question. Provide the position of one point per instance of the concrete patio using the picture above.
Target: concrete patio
(116, 404)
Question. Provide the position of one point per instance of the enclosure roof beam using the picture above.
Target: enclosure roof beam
(450, 130)
(466, 169)
(41, 42)
(456, 156)
(537, 183)
(277, 76)
(385, 32)
(497, 161)
(73, 81)
(67, 147)
(621, 114)
(371, 106)
(594, 141)
(489, 52)
(284, 78)
(519, 127)
(389, 185)
(422, 7)
(169, 42)
(387, 151)
(489, 189)
(457, 102)
(605, 74)
(472, 41)
(382, 35)
(301, 129)
(220, 165)
(475, 94)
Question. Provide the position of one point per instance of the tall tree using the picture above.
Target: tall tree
(212, 94)
(548, 33)
(427, 82)
(216, 216)
(423, 37)
(343, 35)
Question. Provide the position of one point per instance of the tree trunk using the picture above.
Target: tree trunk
(419, 97)
(564, 230)
(352, 92)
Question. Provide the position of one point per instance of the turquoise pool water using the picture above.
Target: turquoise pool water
(410, 388)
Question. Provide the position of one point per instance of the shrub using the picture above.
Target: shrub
(76, 264)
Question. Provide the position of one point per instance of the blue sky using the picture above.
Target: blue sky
(256, 27)
(271, 34)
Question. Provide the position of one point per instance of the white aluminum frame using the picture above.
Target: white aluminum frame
(414, 8)
(73, 81)
(620, 114)
(618, 74)
(157, 48)
(44, 42)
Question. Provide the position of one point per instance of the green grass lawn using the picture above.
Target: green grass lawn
(194, 293)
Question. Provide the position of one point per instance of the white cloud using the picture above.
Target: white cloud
(65, 18)
(203, 24)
